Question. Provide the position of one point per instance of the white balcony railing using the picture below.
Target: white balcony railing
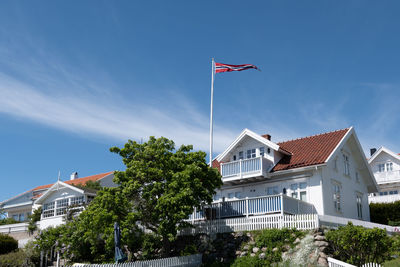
(384, 199)
(276, 204)
(387, 177)
(244, 168)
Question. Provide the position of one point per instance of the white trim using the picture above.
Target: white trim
(300, 169)
(247, 132)
(383, 149)
(52, 188)
(17, 205)
(351, 129)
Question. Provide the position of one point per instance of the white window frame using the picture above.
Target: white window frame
(359, 198)
(240, 155)
(251, 153)
(337, 187)
(346, 163)
(381, 167)
(389, 166)
(262, 151)
(48, 209)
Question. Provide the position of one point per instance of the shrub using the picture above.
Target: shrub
(385, 212)
(8, 221)
(249, 261)
(15, 259)
(7, 244)
(358, 245)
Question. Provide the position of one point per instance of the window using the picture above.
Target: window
(381, 167)
(240, 154)
(389, 166)
(359, 205)
(273, 190)
(237, 194)
(268, 150)
(76, 200)
(62, 205)
(262, 151)
(230, 195)
(299, 191)
(336, 197)
(251, 153)
(48, 210)
(216, 197)
(234, 157)
(293, 188)
(335, 164)
(15, 217)
(357, 178)
(346, 165)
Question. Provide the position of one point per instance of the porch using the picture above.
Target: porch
(275, 204)
(245, 168)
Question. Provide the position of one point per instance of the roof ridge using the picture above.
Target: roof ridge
(315, 135)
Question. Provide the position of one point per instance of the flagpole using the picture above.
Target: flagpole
(211, 110)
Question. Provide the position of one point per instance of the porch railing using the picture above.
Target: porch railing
(243, 166)
(387, 177)
(253, 206)
(384, 198)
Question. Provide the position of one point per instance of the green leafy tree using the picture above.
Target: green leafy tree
(33, 219)
(164, 185)
(358, 245)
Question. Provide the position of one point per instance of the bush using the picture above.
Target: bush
(385, 212)
(358, 245)
(8, 221)
(7, 244)
(249, 261)
(15, 259)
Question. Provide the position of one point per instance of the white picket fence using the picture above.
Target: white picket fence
(337, 263)
(301, 222)
(186, 261)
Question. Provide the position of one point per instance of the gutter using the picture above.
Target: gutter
(290, 171)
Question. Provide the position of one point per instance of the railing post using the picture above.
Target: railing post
(240, 167)
(281, 195)
(194, 214)
(247, 207)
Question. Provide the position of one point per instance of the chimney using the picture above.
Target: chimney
(372, 151)
(268, 136)
(74, 176)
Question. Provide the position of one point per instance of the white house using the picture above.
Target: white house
(326, 174)
(385, 165)
(20, 206)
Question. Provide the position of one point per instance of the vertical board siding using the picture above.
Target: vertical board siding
(187, 261)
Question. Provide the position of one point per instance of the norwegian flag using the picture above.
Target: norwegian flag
(220, 67)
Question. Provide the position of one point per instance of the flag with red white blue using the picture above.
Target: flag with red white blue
(220, 67)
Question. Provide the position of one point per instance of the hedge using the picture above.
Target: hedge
(385, 212)
(7, 244)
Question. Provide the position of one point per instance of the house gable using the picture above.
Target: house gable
(55, 188)
(384, 155)
(249, 140)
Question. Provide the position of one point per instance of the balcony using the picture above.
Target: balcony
(387, 177)
(276, 204)
(245, 168)
(384, 199)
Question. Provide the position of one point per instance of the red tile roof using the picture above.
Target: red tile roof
(79, 181)
(308, 151)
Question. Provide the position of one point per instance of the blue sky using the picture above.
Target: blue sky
(77, 77)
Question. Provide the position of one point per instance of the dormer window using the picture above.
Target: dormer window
(389, 166)
(251, 153)
(262, 151)
(240, 154)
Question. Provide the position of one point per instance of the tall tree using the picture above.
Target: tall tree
(164, 185)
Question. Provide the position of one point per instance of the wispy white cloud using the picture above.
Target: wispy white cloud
(93, 114)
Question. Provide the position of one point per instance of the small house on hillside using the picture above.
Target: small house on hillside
(326, 174)
(21, 206)
(385, 165)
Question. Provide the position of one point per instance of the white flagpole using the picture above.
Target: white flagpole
(211, 110)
